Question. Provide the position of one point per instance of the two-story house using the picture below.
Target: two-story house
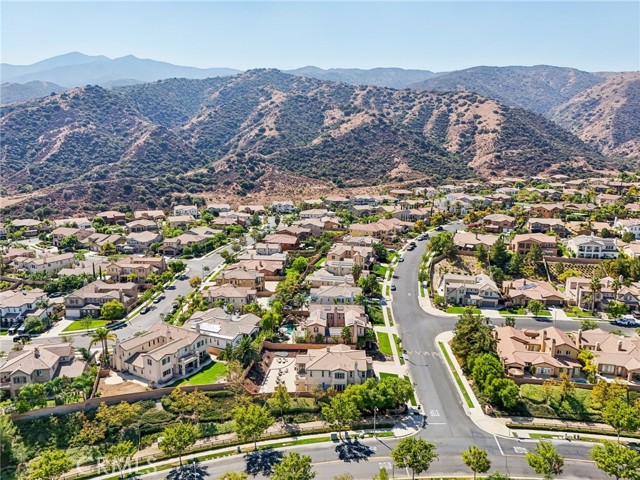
(590, 246)
(523, 243)
(228, 294)
(479, 290)
(224, 328)
(498, 223)
(39, 364)
(251, 279)
(335, 366)
(163, 354)
(328, 321)
(88, 300)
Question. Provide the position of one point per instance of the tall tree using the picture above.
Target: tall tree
(103, 336)
(119, 456)
(251, 421)
(281, 398)
(176, 439)
(341, 412)
(621, 416)
(49, 465)
(499, 255)
(477, 460)
(616, 460)
(415, 454)
(471, 337)
(545, 460)
(293, 466)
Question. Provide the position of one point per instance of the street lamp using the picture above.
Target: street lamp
(375, 411)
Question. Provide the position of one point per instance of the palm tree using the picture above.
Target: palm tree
(595, 287)
(86, 354)
(245, 352)
(102, 335)
(616, 285)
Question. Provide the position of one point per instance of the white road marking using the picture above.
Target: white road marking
(520, 450)
(434, 413)
(437, 423)
(409, 293)
(499, 446)
(385, 465)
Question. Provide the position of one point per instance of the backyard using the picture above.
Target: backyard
(209, 374)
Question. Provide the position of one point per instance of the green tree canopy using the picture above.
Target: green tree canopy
(616, 460)
(49, 465)
(112, 310)
(415, 454)
(545, 460)
(477, 460)
(251, 421)
(177, 438)
(293, 466)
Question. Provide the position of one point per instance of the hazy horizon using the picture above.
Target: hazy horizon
(436, 36)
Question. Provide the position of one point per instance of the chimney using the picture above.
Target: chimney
(580, 338)
(597, 346)
(544, 341)
(36, 352)
(619, 345)
(197, 328)
(328, 348)
(553, 346)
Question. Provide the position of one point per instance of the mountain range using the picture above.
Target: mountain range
(600, 108)
(264, 130)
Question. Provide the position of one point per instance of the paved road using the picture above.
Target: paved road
(448, 425)
(195, 267)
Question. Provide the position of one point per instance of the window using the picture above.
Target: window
(608, 368)
(149, 362)
(339, 376)
(166, 372)
(38, 373)
(166, 360)
(19, 380)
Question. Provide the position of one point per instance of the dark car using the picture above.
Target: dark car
(145, 310)
(55, 294)
(393, 287)
(171, 287)
(19, 338)
(439, 229)
(157, 300)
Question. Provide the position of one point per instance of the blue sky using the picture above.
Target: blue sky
(437, 36)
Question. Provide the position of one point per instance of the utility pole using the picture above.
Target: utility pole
(375, 411)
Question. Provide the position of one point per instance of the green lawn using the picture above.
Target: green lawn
(465, 394)
(421, 290)
(375, 314)
(396, 339)
(4, 332)
(384, 375)
(384, 344)
(387, 291)
(389, 316)
(544, 313)
(379, 270)
(577, 312)
(82, 325)
(209, 374)
(413, 400)
(320, 262)
(460, 310)
(513, 311)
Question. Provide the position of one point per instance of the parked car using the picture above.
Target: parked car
(55, 294)
(401, 259)
(636, 314)
(393, 287)
(439, 229)
(145, 310)
(19, 338)
(157, 300)
(626, 322)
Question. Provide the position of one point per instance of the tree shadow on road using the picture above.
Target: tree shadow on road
(191, 471)
(262, 461)
(353, 451)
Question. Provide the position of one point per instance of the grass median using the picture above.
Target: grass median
(384, 344)
(465, 394)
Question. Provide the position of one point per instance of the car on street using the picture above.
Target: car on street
(401, 259)
(171, 287)
(439, 229)
(393, 288)
(145, 310)
(20, 337)
(157, 300)
(626, 322)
